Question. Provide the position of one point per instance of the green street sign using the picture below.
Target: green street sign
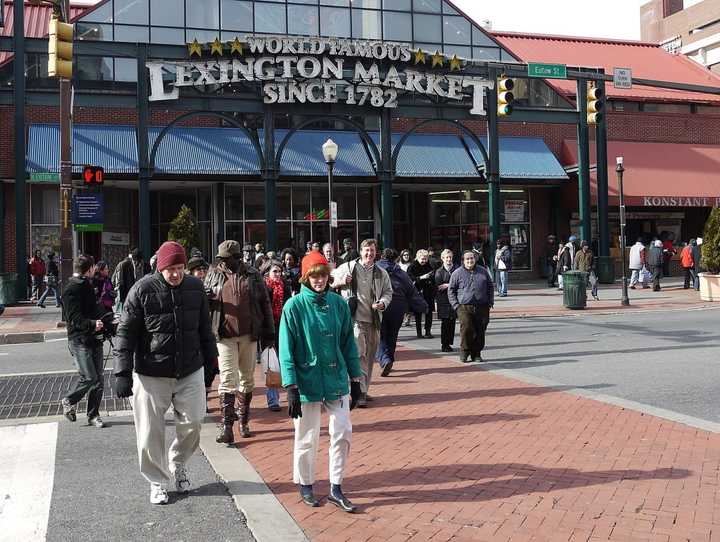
(45, 177)
(547, 71)
(88, 227)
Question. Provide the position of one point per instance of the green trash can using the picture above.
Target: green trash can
(574, 289)
(8, 289)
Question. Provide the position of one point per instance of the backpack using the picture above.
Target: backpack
(686, 259)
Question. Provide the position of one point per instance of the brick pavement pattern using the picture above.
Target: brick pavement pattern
(450, 452)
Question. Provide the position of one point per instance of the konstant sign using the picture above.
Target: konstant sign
(298, 70)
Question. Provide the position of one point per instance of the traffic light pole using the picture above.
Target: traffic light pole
(493, 168)
(21, 255)
(67, 251)
(584, 164)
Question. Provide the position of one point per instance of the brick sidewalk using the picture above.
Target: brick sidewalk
(450, 452)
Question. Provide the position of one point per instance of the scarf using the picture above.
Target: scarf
(278, 294)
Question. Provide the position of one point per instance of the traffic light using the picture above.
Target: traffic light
(60, 49)
(93, 175)
(595, 105)
(505, 97)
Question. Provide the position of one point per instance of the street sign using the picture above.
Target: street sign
(333, 214)
(547, 71)
(44, 177)
(622, 78)
(88, 212)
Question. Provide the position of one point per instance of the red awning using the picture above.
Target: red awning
(658, 174)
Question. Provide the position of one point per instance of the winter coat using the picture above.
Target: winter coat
(695, 254)
(381, 285)
(444, 308)
(124, 277)
(405, 296)
(426, 287)
(503, 255)
(637, 256)
(550, 253)
(584, 261)
(318, 353)
(104, 291)
(81, 309)
(686, 257)
(37, 267)
(566, 258)
(471, 287)
(655, 257)
(262, 325)
(164, 331)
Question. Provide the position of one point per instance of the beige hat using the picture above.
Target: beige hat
(229, 248)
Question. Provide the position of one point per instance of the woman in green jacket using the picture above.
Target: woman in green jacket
(320, 365)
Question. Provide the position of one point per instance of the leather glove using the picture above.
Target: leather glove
(355, 393)
(294, 406)
(210, 373)
(123, 386)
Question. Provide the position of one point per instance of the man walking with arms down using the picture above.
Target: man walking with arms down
(471, 295)
(164, 350)
(368, 290)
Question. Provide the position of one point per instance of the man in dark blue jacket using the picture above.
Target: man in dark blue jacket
(472, 296)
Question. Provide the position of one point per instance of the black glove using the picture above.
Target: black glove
(294, 406)
(355, 393)
(123, 386)
(210, 373)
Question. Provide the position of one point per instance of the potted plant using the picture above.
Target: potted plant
(710, 261)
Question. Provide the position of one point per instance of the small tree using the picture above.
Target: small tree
(184, 229)
(711, 243)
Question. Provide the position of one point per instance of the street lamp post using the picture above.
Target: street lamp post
(330, 152)
(620, 169)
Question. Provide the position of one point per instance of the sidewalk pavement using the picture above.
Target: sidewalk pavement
(28, 323)
(448, 451)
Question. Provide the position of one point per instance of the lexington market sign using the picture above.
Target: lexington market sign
(298, 70)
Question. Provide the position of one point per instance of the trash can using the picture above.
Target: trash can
(606, 269)
(574, 289)
(8, 289)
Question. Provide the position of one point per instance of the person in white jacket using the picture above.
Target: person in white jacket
(637, 262)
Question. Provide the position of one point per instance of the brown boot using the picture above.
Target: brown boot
(227, 407)
(244, 413)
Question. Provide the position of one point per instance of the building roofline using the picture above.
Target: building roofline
(587, 39)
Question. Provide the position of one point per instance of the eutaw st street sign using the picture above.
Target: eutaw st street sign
(316, 70)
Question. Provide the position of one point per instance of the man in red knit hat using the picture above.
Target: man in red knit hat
(165, 350)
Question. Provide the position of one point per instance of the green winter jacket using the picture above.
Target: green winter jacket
(317, 346)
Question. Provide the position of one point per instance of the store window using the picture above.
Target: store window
(335, 22)
(270, 19)
(203, 14)
(515, 215)
(366, 24)
(303, 20)
(236, 15)
(45, 219)
(397, 26)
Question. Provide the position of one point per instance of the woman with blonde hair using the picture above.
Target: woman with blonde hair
(422, 274)
(320, 366)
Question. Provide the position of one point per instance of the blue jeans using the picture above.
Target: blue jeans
(273, 396)
(56, 293)
(89, 361)
(502, 281)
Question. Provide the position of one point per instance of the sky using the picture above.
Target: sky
(619, 19)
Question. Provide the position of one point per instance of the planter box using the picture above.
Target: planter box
(709, 287)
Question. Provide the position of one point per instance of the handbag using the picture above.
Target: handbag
(271, 366)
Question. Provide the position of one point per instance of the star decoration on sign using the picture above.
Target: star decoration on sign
(216, 47)
(438, 59)
(236, 46)
(455, 64)
(194, 48)
(419, 56)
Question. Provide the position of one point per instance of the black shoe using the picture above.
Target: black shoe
(477, 359)
(465, 357)
(386, 370)
(338, 499)
(308, 497)
(419, 336)
(429, 336)
(447, 349)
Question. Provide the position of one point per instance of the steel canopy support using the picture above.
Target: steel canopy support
(493, 175)
(386, 175)
(20, 172)
(143, 109)
(269, 178)
(584, 203)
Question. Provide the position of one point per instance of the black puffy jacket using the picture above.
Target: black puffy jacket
(164, 331)
(81, 308)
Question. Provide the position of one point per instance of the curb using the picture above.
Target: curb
(31, 337)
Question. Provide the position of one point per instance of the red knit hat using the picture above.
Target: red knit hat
(310, 259)
(170, 253)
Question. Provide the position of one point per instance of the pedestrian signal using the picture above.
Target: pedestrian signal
(595, 105)
(505, 97)
(93, 176)
(60, 49)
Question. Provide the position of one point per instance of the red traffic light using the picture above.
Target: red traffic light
(93, 175)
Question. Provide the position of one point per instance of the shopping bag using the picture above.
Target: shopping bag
(271, 367)
(645, 276)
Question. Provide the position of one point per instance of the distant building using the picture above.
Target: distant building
(688, 27)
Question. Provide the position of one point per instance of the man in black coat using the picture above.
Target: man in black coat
(84, 315)
(164, 353)
(444, 309)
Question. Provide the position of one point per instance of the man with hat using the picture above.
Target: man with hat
(241, 315)
(164, 349)
(198, 267)
(349, 253)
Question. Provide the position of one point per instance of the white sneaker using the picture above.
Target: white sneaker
(182, 483)
(158, 494)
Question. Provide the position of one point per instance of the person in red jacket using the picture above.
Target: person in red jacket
(37, 272)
